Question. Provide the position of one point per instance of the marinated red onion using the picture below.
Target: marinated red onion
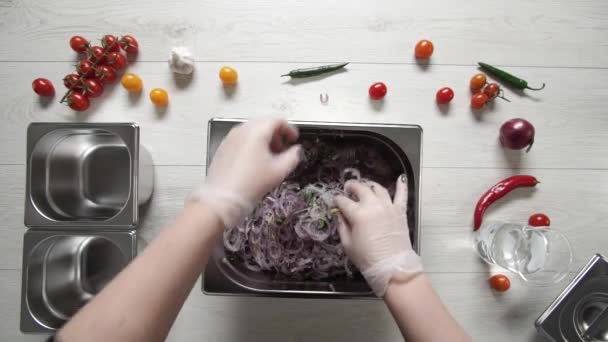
(293, 230)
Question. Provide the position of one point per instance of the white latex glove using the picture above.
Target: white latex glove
(253, 158)
(375, 234)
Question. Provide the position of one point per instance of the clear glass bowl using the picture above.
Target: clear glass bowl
(540, 255)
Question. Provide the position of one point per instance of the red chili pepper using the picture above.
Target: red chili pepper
(497, 192)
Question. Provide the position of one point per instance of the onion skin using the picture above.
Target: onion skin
(517, 134)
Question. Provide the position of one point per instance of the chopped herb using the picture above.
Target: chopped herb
(309, 197)
(324, 223)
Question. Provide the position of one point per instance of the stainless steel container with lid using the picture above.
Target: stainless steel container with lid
(580, 312)
(402, 144)
(84, 185)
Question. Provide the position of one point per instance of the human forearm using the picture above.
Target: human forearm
(141, 303)
(419, 312)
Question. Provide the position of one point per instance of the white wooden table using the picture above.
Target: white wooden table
(562, 43)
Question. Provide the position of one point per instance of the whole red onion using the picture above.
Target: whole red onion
(517, 134)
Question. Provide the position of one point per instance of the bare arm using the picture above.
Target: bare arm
(412, 304)
(142, 302)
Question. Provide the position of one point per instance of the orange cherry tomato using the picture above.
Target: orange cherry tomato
(159, 97)
(500, 282)
(131, 82)
(424, 49)
(539, 220)
(479, 100)
(228, 75)
(478, 81)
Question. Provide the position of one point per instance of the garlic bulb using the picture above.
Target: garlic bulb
(181, 60)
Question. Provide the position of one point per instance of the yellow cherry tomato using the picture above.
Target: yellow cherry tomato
(131, 82)
(159, 97)
(228, 75)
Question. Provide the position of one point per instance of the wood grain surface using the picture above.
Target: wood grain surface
(519, 32)
(569, 115)
(562, 43)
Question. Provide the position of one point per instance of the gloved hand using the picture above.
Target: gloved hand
(252, 159)
(375, 234)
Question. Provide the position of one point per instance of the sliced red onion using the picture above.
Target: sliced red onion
(293, 230)
(233, 239)
(252, 267)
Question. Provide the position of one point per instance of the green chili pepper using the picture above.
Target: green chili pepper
(308, 72)
(506, 77)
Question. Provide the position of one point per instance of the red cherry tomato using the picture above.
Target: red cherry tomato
(110, 43)
(129, 44)
(43, 87)
(424, 49)
(79, 44)
(116, 60)
(97, 55)
(500, 282)
(78, 102)
(479, 100)
(85, 67)
(492, 90)
(72, 81)
(539, 220)
(92, 88)
(377, 91)
(444, 95)
(105, 74)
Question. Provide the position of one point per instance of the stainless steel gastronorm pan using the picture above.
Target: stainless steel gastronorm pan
(400, 143)
(86, 175)
(580, 312)
(63, 270)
